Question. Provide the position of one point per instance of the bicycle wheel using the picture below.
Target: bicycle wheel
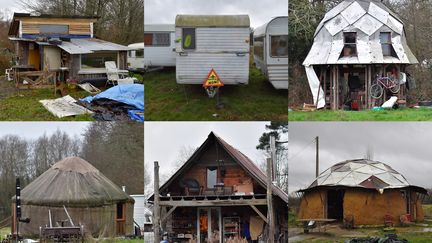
(376, 91)
(395, 89)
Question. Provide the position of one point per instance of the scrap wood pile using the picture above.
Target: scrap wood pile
(388, 238)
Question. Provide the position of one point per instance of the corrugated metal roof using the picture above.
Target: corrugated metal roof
(366, 18)
(247, 164)
(85, 46)
(361, 173)
(212, 21)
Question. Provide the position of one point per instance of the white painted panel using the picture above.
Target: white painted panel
(399, 49)
(395, 25)
(336, 24)
(368, 24)
(378, 13)
(52, 57)
(332, 13)
(278, 76)
(353, 12)
(363, 49)
(336, 48)
(376, 51)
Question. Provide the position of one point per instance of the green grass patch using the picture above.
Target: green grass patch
(257, 101)
(25, 106)
(4, 231)
(406, 114)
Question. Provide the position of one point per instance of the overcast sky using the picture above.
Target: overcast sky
(406, 147)
(164, 140)
(10, 6)
(259, 11)
(33, 130)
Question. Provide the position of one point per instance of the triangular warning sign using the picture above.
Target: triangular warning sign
(213, 80)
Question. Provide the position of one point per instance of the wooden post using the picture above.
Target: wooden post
(156, 211)
(270, 213)
(317, 157)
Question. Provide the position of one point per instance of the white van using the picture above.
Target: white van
(159, 45)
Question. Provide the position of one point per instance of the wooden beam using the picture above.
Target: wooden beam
(205, 203)
(259, 213)
(156, 211)
(168, 214)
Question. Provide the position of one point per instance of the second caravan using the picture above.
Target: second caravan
(159, 46)
(271, 51)
(206, 42)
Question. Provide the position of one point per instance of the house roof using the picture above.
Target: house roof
(212, 21)
(75, 183)
(367, 18)
(362, 173)
(247, 164)
(28, 15)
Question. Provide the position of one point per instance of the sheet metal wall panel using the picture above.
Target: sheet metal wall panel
(399, 49)
(378, 13)
(336, 48)
(395, 25)
(336, 24)
(368, 24)
(353, 12)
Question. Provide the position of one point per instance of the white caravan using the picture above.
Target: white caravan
(159, 46)
(271, 51)
(136, 57)
(206, 42)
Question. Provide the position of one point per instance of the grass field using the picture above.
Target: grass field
(25, 106)
(407, 114)
(167, 100)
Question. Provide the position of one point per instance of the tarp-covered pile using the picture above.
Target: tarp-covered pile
(121, 102)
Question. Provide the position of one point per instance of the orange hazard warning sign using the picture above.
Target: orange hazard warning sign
(213, 80)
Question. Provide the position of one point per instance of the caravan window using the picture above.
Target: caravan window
(350, 44)
(97, 59)
(148, 39)
(157, 39)
(139, 53)
(259, 47)
(188, 38)
(279, 46)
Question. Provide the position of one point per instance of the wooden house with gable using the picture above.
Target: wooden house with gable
(51, 47)
(217, 195)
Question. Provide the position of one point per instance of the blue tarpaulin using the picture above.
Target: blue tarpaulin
(130, 94)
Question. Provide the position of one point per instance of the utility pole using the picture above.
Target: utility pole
(156, 211)
(275, 175)
(317, 156)
(270, 213)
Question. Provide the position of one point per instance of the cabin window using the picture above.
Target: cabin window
(97, 59)
(259, 47)
(54, 29)
(279, 46)
(386, 44)
(188, 38)
(211, 177)
(350, 44)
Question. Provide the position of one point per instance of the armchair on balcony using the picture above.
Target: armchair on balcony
(191, 187)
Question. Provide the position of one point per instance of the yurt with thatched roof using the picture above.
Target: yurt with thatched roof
(356, 42)
(91, 199)
(362, 192)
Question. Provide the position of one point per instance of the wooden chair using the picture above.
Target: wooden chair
(388, 220)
